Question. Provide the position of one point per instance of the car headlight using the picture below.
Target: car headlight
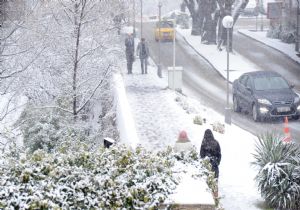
(296, 100)
(264, 101)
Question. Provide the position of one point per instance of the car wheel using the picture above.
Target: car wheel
(255, 114)
(236, 105)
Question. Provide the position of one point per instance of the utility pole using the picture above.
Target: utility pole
(141, 19)
(133, 18)
(159, 74)
(297, 28)
(227, 23)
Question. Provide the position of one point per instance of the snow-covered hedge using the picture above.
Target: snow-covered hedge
(48, 128)
(285, 35)
(279, 171)
(74, 177)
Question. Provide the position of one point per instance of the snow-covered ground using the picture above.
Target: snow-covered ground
(237, 63)
(159, 114)
(287, 49)
(218, 59)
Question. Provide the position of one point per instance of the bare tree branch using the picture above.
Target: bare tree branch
(54, 107)
(95, 89)
(24, 68)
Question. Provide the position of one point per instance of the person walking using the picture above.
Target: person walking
(143, 52)
(211, 148)
(129, 51)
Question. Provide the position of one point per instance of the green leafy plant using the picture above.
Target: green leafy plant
(279, 171)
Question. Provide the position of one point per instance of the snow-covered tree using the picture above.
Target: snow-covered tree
(78, 44)
(12, 54)
(65, 52)
(207, 15)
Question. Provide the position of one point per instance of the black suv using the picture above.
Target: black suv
(265, 94)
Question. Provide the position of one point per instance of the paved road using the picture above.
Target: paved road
(202, 82)
(268, 59)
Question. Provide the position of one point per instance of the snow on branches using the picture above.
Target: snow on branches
(74, 177)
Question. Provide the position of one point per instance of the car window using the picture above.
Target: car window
(165, 24)
(243, 80)
(270, 83)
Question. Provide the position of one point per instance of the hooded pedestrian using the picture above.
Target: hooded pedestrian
(210, 148)
(129, 50)
(183, 143)
(143, 52)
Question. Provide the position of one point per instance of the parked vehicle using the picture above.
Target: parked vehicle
(265, 94)
(182, 18)
(166, 30)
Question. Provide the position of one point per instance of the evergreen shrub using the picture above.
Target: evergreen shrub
(278, 177)
(288, 36)
(74, 177)
(48, 128)
(198, 120)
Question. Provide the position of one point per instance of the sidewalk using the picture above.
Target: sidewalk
(159, 114)
(238, 63)
(217, 59)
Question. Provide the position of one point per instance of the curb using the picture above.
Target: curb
(203, 57)
(128, 135)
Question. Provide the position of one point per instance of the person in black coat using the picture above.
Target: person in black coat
(129, 50)
(210, 148)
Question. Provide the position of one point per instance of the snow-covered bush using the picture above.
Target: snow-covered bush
(183, 103)
(105, 178)
(203, 168)
(75, 177)
(218, 127)
(288, 36)
(198, 120)
(285, 35)
(47, 128)
(279, 171)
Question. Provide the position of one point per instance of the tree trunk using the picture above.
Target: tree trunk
(238, 8)
(196, 26)
(225, 9)
(192, 5)
(75, 68)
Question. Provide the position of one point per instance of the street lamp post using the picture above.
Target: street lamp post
(159, 37)
(134, 18)
(297, 27)
(261, 16)
(141, 19)
(174, 51)
(227, 23)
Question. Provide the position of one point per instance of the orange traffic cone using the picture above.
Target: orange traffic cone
(286, 131)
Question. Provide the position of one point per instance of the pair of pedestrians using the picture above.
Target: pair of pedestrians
(142, 52)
